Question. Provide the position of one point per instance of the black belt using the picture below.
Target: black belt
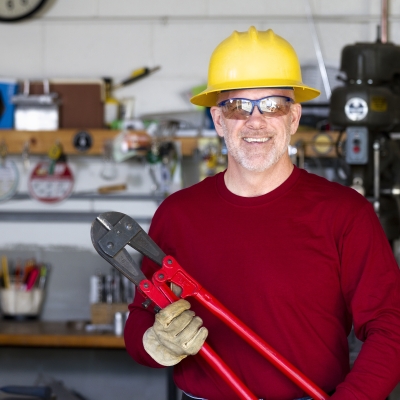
(186, 397)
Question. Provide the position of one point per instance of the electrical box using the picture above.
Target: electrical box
(357, 145)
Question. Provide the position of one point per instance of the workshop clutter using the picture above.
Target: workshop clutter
(50, 175)
(36, 112)
(22, 289)
(51, 104)
(79, 103)
(109, 298)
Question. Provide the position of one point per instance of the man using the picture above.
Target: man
(297, 258)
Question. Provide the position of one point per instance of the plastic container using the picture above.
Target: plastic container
(19, 303)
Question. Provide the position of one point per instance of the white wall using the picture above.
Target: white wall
(95, 38)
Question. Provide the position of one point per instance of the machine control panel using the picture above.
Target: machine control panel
(357, 145)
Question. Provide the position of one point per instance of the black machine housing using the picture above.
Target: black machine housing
(367, 110)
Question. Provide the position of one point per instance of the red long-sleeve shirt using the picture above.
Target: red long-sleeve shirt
(297, 265)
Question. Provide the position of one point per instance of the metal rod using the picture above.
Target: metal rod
(317, 48)
(384, 21)
(55, 216)
(376, 147)
(93, 195)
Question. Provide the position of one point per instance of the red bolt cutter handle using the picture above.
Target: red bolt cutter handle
(162, 296)
(171, 271)
(123, 230)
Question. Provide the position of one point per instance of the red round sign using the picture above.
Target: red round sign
(51, 182)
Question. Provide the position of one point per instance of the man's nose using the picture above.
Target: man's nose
(256, 119)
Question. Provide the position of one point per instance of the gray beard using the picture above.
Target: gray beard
(260, 161)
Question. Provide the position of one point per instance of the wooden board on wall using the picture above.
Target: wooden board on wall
(41, 141)
(314, 143)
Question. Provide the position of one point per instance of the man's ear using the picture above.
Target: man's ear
(295, 111)
(217, 118)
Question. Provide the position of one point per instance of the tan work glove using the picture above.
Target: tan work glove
(176, 333)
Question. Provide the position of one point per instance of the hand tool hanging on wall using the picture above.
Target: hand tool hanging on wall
(163, 157)
(114, 109)
(52, 180)
(112, 231)
(109, 171)
(136, 75)
(25, 156)
(9, 176)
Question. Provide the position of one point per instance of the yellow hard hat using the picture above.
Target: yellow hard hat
(253, 59)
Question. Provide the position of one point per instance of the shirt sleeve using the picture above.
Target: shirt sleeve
(370, 281)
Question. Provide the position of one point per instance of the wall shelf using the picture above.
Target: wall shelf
(59, 216)
(54, 334)
(158, 198)
(40, 141)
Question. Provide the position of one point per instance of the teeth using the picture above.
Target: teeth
(256, 140)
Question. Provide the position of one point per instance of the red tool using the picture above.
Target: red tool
(31, 279)
(112, 231)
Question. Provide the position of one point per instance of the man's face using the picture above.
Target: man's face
(260, 141)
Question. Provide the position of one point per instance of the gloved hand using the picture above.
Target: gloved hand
(176, 333)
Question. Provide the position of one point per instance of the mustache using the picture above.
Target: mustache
(255, 133)
(246, 132)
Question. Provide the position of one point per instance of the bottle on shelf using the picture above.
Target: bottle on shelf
(111, 104)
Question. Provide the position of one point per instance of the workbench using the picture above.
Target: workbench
(54, 334)
(62, 336)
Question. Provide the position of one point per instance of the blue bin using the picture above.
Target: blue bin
(8, 88)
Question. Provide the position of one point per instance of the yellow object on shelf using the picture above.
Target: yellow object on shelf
(111, 104)
(6, 275)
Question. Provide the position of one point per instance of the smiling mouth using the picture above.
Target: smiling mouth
(256, 140)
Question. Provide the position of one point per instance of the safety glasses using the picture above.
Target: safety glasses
(270, 106)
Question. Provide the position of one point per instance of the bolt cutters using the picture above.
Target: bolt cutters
(112, 231)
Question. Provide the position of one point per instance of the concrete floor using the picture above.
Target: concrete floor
(95, 374)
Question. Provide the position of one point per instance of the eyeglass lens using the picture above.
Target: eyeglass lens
(273, 106)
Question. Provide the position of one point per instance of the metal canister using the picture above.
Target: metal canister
(118, 323)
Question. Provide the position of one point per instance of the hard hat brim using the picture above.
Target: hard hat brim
(209, 97)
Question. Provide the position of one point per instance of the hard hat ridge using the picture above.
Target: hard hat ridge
(253, 33)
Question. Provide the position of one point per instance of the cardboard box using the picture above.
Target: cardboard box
(103, 313)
